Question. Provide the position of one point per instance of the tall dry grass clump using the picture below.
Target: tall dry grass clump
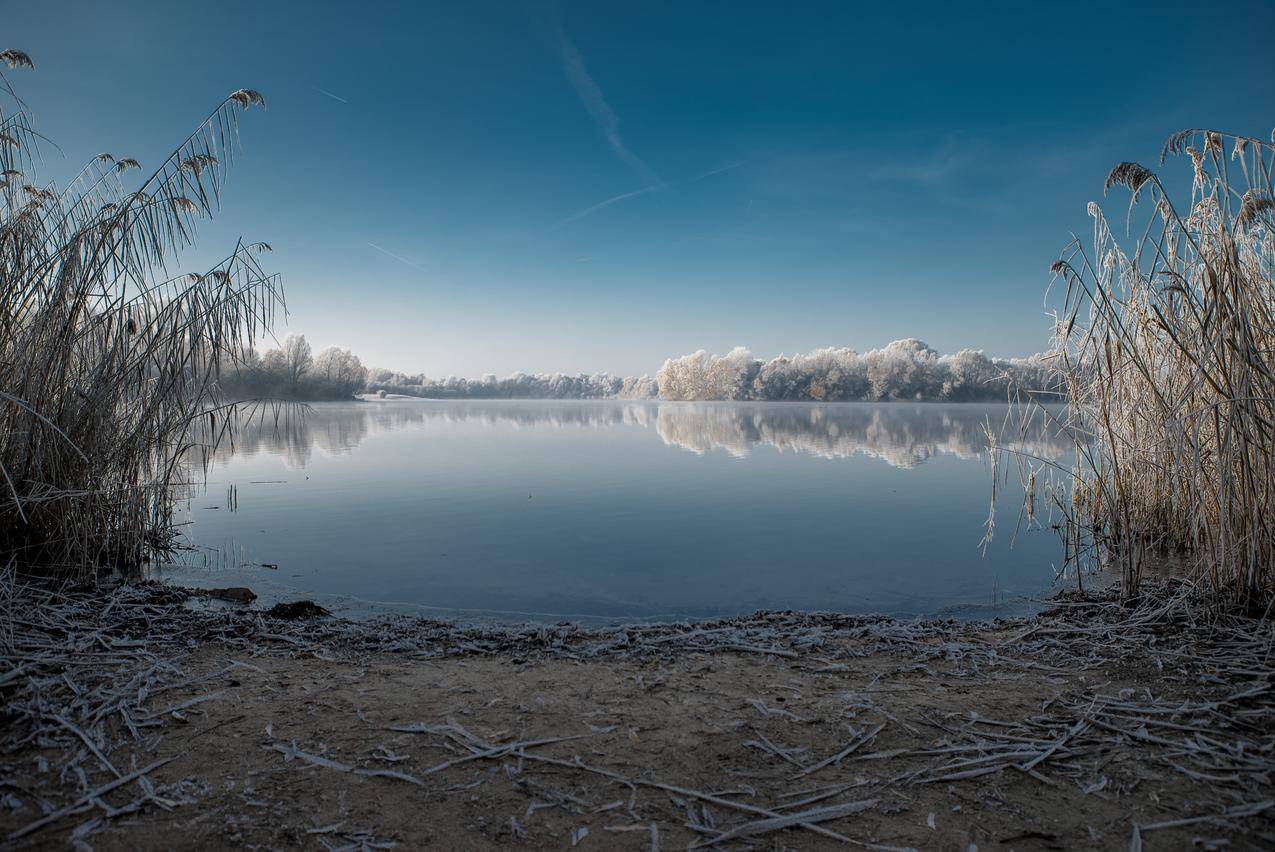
(1166, 347)
(107, 360)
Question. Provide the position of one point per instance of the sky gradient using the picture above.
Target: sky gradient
(497, 186)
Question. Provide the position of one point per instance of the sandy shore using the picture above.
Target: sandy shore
(133, 722)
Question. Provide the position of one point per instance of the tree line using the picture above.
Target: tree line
(903, 370)
(292, 371)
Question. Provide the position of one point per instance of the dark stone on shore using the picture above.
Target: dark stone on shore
(234, 594)
(297, 609)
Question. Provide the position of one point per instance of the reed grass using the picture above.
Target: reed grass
(108, 359)
(1165, 345)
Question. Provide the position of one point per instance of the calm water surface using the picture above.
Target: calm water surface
(617, 510)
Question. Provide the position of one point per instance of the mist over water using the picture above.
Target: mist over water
(618, 510)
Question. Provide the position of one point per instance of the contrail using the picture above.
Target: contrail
(595, 102)
(589, 211)
(397, 257)
(330, 95)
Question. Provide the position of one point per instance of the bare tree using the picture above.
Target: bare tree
(296, 358)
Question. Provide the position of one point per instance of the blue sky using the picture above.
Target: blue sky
(477, 186)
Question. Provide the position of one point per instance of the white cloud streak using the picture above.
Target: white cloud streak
(589, 211)
(330, 95)
(397, 257)
(624, 196)
(595, 102)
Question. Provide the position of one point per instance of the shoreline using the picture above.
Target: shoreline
(354, 608)
(1089, 725)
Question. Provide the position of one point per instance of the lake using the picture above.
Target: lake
(617, 511)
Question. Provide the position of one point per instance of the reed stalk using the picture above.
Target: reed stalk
(108, 360)
(1165, 345)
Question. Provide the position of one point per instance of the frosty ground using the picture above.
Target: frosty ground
(133, 721)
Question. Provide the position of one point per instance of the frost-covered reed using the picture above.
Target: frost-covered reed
(106, 357)
(1166, 348)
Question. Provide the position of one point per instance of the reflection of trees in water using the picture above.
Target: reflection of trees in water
(594, 415)
(337, 429)
(291, 433)
(900, 434)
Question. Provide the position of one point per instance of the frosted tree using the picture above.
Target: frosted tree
(340, 371)
(684, 378)
(970, 374)
(295, 358)
(339, 365)
(639, 387)
(904, 369)
(731, 376)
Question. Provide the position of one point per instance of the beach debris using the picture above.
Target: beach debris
(802, 818)
(87, 800)
(290, 752)
(859, 740)
(93, 681)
